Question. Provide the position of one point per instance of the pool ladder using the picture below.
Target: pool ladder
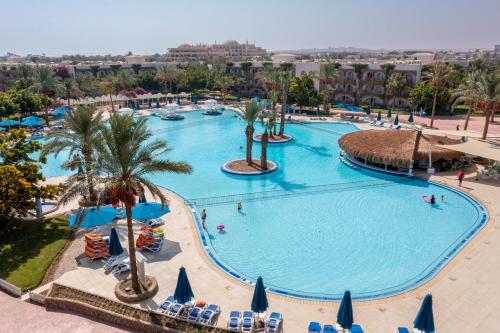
(346, 162)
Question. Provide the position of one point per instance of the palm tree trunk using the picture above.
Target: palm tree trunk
(111, 100)
(249, 133)
(434, 102)
(486, 124)
(47, 110)
(263, 154)
(467, 117)
(283, 109)
(87, 155)
(131, 248)
(492, 119)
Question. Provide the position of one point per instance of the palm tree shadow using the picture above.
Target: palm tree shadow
(169, 250)
(318, 150)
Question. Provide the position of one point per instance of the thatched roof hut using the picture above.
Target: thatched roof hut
(396, 148)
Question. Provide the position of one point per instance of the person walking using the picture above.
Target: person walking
(461, 175)
(203, 218)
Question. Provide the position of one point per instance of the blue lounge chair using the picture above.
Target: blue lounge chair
(274, 322)
(194, 314)
(208, 315)
(175, 310)
(355, 328)
(165, 306)
(329, 329)
(248, 321)
(314, 327)
(234, 322)
(402, 330)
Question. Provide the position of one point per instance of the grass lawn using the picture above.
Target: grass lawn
(28, 250)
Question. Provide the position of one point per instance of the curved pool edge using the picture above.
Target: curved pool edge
(416, 282)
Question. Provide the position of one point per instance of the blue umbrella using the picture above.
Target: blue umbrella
(149, 104)
(2, 129)
(379, 116)
(9, 123)
(425, 318)
(345, 316)
(149, 210)
(259, 299)
(32, 123)
(389, 113)
(32, 118)
(396, 120)
(410, 118)
(183, 292)
(158, 104)
(59, 112)
(92, 217)
(115, 247)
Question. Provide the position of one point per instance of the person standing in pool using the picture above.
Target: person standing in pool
(240, 207)
(461, 175)
(203, 218)
(433, 199)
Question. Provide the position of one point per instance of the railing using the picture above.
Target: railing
(9, 287)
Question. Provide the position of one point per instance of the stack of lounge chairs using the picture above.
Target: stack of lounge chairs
(117, 265)
(246, 323)
(149, 239)
(315, 327)
(96, 246)
(200, 313)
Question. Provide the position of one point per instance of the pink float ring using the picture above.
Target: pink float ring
(220, 227)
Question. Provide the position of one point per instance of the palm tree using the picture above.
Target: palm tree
(387, 68)
(124, 160)
(46, 82)
(167, 75)
(224, 83)
(82, 136)
(328, 74)
(264, 140)
(25, 76)
(284, 80)
(250, 115)
(396, 84)
(437, 75)
(109, 85)
(467, 92)
(489, 96)
(358, 69)
(70, 89)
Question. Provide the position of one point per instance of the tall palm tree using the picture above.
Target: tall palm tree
(124, 160)
(396, 84)
(109, 86)
(25, 76)
(438, 75)
(264, 140)
(46, 82)
(489, 96)
(467, 92)
(69, 89)
(358, 69)
(250, 115)
(167, 75)
(224, 82)
(328, 74)
(82, 136)
(284, 80)
(387, 68)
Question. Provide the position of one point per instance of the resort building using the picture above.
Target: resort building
(231, 50)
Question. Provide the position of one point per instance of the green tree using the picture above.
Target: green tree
(396, 84)
(284, 80)
(109, 86)
(27, 101)
(250, 115)
(89, 85)
(268, 127)
(148, 81)
(224, 82)
(167, 75)
(194, 77)
(358, 69)
(136, 68)
(387, 68)
(489, 96)
(437, 74)
(47, 83)
(69, 89)
(124, 161)
(25, 76)
(328, 75)
(302, 91)
(8, 106)
(468, 93)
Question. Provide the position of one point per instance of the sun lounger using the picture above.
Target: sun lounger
(111, 263)
(355, 328)
(194, 313)
(234, 322)
(152, 223)
(175, 310)
(209, 314)
(329, 329)
(247, 324)
(167, 304)
(274, 322)
(314, 327)
(121, 268)
(402, 330)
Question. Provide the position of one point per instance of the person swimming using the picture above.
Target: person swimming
(433, 200)
(240, 207)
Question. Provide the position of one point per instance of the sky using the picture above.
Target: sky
(56, 27)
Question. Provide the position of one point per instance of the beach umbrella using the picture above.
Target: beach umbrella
(379, 116)
(92, 217)
(158, 104)
(345, 315)
(59, 112)
(9, 123)
(410, 118)
(32, 118)
(115, 247)
(259, 299)
(368, 110)
(389, 113)
(396, 120)
(2, 129)
(425, 318)
(149, 210)
(32, 123)
(183, 292)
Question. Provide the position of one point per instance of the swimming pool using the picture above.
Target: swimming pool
(315, 227)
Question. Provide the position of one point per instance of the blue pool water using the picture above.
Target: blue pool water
(315, 227)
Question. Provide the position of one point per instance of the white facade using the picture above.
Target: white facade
(135, 59)
(302, 68)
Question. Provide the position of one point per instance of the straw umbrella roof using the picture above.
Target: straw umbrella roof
(396, 147)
